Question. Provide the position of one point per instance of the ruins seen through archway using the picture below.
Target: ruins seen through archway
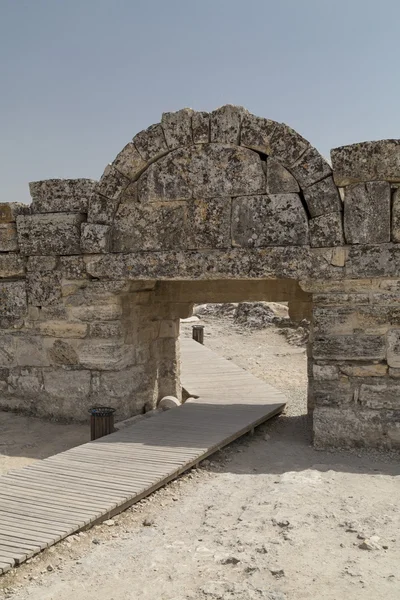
(215, 207)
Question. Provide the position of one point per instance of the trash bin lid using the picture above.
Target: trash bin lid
(101, 411)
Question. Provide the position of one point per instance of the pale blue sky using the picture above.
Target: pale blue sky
(80, 77)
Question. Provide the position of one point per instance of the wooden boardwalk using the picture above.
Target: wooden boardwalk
(53, 498)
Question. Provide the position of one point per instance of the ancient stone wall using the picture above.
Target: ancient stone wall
(94, 276)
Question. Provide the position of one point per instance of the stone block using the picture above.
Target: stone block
(374, 370)
(310, 168)
(381, 260)
(73, 267)
(61, 195)
(101, 209)
(273, 220)
(209, 223)
(13, 305)
(325, 372)
(279, 179)
(129, 162)
(225, 124)
(52, 233)
(385, 394)
(332, 393)
(43, 289)
(340, 298)
(31, 351)
(367, 213)
(112, 183)
(396, 215)
(150, 143)
(96, 312)
(347, 426)
(169, 329)
(350, 347)
(326, 231)
(105, 355)
(339, 256)
(147, 227)
(201, 127)
(107, 330)
(58, 329)
(287, 145)
(10, 210)
(167, 179)
(342, 320)
(368, 161)
(63, 353)
(323, 197)
(27, 383)
(41, 264)
(7, 351)
(69, 392)
(95, 238)
(177, 127)
(256, 133)
(8, 237)
(12, 265)
(393, 348)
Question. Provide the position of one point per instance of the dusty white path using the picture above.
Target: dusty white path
(268, 519)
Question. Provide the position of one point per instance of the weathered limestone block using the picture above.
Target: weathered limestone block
(177, 128)
(323, 197)
(146, 227)
(129, 162)
(383, 394)
(381, 260)
(58, 329)
(396, 215)
(95, 301)
(31, 351)
(43, 289)
(342, 320)
(334, 426)
(325, 372)
(69, 392)
(350, 347)
(274, 220)
(63, 353)
(121, 385)
(27, 383)
(201, 127)
(279, 180)
(12, 265)
(106, 330)
(112, 183)
(7, 352)
(368, 161)
(393, 348)
(310, 168)
(61, 195)
(225, 124)
(374, 370)
(326, 231)
(102, 210)
(10, 210)
(367, 213)
(287, 145)
(105, 355)
(150, 143)
(340, 298)
(218, 170)
(95, 238)
(169, 329)
(50, 233)
(12, 303)
(41, 264)
(332, 393)
(8, 237)
(167, 179)
(209, 223)
(73, 267)
(256, 133)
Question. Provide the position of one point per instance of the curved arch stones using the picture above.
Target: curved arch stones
(220, 206)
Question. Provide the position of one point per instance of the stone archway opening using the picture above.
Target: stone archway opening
(94, 274)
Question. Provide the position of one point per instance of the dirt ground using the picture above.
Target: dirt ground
(268, 518)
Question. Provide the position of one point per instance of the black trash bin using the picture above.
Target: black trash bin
(198, 333)
(101, 421)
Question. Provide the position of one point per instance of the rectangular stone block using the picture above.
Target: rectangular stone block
(385, 394)
(348, 426)
(374, 370)
(393, 348)
(150, 143)
(7, 351)
(41, 264)
(95, 238)
(332, 393)
(209, 223)
(201, 127)
(279, 179)
(129, 162)
(323, 198)
(8, 237)
(73, 267)
(327, 231)
(31, 351)
(12, 265)
(177, 127)
(368, 161)
(43, 289)
(12, 302)
(367, 213)
(273, 220)
(350, 347)
(10, 210)
(50, 234)
(107, 330)
(225, 124)
(325, 372)
(348, 319)
(61, 195)
(58, 329)
(381, 260)
(68, 394)
(104, 355)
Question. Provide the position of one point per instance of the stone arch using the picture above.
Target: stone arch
(220, 206)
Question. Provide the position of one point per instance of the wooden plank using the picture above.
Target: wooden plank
(50, 499)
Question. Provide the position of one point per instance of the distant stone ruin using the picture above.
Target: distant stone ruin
(219, 207)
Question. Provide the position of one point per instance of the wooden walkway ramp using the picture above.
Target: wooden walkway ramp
(53, 498)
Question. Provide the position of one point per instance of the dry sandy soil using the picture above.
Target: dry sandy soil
(268, 518)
